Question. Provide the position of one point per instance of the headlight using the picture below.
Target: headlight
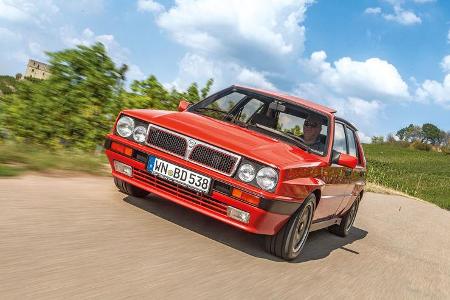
(125, 126)
(139, 134)
(267, 178)
(246, 172)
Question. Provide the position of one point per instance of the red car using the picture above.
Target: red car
(261, 161)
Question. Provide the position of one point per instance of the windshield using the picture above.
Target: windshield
(282, 120)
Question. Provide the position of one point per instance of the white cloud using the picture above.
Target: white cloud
(36, 50)
(358, 90)
(435, 91)
(373, 78)
(445, 64)
(27, 11)
(400, 15)
(404, 17)
(149, 5)
(373, 10)
(363, 137)
(198, 68)
(7, 35)
(255, 79)
(119, 54)
(238, 28)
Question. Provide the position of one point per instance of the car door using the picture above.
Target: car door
(357, 178)
(336, 179)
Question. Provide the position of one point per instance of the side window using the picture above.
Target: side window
(250, 108)
(339, 143)
(352, 150)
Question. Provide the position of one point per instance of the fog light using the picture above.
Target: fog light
(123, 168)
(238, 214)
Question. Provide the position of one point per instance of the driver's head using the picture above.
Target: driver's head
(311, 128)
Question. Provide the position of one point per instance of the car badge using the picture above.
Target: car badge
(191, 143)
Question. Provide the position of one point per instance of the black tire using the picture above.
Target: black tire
(347, 221)
(289, 241)
(130, 189)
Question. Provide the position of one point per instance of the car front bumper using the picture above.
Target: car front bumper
(267, 220)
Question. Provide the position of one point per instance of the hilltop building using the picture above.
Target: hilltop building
(36, 69)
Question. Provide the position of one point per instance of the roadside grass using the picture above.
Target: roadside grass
(18, 158)
(421, 174)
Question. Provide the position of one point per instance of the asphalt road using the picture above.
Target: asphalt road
(80, 238)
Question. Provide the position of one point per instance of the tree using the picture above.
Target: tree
(410, 133)
(390, 138)
(377, 139)
(431, 133)
(74, 107)
(150, 93)
(207, 87)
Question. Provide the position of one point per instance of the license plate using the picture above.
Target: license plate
(178, 174)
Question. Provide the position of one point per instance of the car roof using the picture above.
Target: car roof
(289, 98)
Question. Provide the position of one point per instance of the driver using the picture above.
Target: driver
(311, 133)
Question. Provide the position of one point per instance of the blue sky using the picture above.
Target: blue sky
(383, 64)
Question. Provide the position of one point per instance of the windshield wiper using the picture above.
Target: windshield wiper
(295, 139)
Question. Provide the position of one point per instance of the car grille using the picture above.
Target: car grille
(180, 192)
(167, 141)
(213, 158)
(198, 152)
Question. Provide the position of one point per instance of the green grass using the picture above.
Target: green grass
(422, 174)
(16, 159)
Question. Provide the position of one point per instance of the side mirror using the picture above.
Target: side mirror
(343, 159)
(183, 105)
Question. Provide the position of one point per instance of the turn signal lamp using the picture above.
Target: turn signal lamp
(122, 149)
(245, 197)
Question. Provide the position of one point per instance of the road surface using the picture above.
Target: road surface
(77, 238)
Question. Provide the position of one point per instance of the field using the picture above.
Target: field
(422, 174)
(18, 158)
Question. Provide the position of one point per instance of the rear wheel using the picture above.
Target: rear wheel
(130, 189)
(289, 241)
(347, 221)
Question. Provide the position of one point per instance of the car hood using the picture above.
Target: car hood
(231, 137)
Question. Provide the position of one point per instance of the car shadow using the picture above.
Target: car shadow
(319, 245)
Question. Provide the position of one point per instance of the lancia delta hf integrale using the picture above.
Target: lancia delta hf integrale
(261, 161)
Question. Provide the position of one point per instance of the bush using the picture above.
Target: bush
(77, 105)
(446, 150)
(421, 146)
(403, 144)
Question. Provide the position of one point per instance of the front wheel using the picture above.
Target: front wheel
(289, 241)
(130, 189)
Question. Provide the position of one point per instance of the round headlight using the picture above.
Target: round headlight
(125, 126)
(139, 134)
(246, 173)
(267, 178)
